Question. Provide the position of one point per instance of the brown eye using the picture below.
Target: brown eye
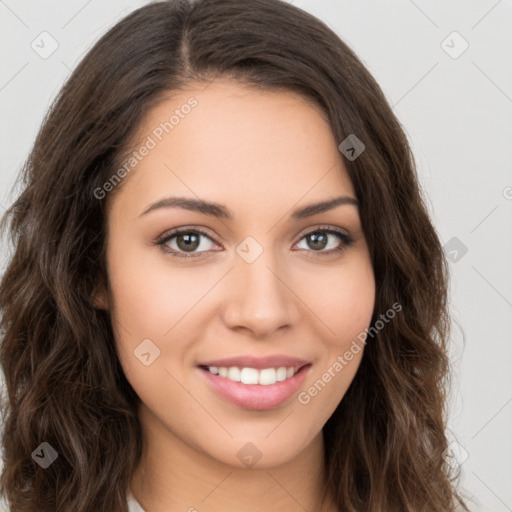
(320, 239)
(317, 240)
(185, 243)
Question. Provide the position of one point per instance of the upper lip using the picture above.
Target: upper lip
(271, 361)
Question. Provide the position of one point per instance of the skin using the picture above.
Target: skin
(262, 154)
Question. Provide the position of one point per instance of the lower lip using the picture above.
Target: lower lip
(256, 396)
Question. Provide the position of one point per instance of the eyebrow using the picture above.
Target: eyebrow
(222, 212)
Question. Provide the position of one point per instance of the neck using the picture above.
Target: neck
(172, 475)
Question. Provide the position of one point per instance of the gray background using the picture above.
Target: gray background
(457, 113)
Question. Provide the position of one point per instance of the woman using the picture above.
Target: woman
(225, 292)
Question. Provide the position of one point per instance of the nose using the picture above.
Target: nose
(259, 299)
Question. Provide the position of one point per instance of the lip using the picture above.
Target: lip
(259, 363)
(255, 396)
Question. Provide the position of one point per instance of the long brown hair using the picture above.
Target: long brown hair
(65, 386)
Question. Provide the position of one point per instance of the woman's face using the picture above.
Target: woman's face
(264, 286)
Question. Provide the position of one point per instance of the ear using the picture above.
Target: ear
(99, 298)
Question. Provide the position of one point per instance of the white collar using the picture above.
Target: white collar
(133, 504)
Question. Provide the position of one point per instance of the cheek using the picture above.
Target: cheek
(342, 299)
(151, 294)
(343, 303)
(156, 300)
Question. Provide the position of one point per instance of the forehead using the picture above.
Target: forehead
(236, 144)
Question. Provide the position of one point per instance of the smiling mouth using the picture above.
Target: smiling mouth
(255, 388)
(248, 375)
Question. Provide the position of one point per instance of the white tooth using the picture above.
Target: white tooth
(234, 373)
(214, 370)
(267, 376)
(249, 376)
(289, 372)
(281, 373)
(223, 372)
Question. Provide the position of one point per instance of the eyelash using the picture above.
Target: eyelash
(346, 240)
